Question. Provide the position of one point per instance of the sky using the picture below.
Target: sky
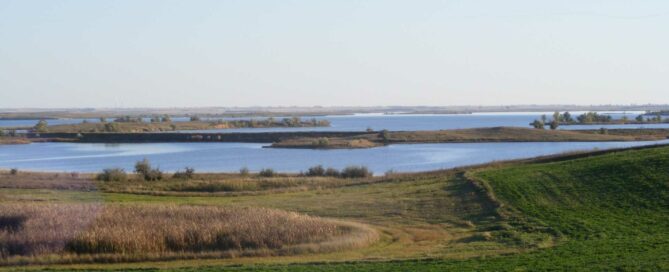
(139, 53)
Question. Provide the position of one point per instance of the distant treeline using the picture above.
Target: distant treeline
(165, 123)
(593, 118)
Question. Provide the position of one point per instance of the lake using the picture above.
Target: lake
(230, 157)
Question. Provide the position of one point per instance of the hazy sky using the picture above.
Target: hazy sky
(269, 53)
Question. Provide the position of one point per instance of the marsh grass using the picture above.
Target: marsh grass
(57, 181)
(35, 233)
(234, 184)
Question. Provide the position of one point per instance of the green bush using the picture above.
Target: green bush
(188, 173)
(331, 172)
(112, 174)
(41, 126)
(356, 172)
(149, 173)
(267, 172)
(244, 171)
(316, 171)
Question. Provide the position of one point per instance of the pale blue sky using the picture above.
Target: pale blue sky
(358, 53)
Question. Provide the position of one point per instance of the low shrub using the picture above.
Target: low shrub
(331, 172)
(244, 171)
(316, 171)
(14, 171)
(188, 173)
(267, 172)
(356, 172)
(149, 173)
(112, 174)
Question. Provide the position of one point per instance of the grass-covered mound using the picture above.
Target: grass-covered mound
(603, 213)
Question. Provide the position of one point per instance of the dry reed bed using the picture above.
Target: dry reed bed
(70, 233)
(55, 181)
(232, 185)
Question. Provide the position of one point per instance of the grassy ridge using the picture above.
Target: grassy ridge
(609, 212)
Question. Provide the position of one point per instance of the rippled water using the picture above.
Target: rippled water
(233, 156)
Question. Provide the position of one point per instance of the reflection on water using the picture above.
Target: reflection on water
(233, 156)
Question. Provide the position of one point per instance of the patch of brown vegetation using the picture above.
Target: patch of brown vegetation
(474, 135)
(13, 140)
(36, 180)
(507, 134)
(90, 232)
(326, 143)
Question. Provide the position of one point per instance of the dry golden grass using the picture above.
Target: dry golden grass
(330, 143)
(47, 233)
(37, 180)
(473, 135)
(228, 184)
(512, 134)
(13, 140)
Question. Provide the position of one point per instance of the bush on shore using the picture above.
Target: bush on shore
(144, 169)
(356, 172)
(348, 172)
(188, 173)
(316, 171)
(112, 174)
(267, 172)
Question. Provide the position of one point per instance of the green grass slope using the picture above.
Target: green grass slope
(606, 213)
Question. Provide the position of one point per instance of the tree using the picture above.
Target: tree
(544, 118)
(316, 171)
(538, 124)
(41, 126)
(149, 173)
(103, 120)
(195, 118)
(567, 117)
(384, 135)
(639, 118)
(554, 124)
(557, 116)
(143, 166)
(166, 119)
(111, 127)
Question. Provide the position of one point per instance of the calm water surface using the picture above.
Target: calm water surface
(233, 156)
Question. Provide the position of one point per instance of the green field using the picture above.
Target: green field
(603, 212)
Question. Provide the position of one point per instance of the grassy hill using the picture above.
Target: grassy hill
(607, 212)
